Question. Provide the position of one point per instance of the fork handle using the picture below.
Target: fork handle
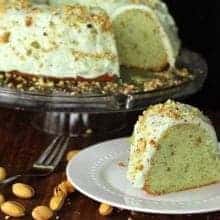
(10, 180)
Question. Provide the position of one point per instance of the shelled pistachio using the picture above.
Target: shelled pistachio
(3, 173)
(105, 209)
(23, 191)
(2, 198)
(42, 213)
(13, 209)
(71, 154)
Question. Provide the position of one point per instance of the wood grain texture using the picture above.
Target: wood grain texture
(21, 144)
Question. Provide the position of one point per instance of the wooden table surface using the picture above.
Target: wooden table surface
(21, 144)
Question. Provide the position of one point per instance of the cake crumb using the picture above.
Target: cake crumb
(68, 202)
(153, 143)
(77, 212)
(89, 131)
(134, 213)
(118, 210)
(121, 164)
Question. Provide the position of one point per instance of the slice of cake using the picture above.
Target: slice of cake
(146, 34)
(61, 42)
(174, 147)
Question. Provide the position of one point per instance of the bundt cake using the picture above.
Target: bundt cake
(173, 148)
(146, 34)
(61, 42)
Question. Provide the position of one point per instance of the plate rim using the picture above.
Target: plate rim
(122, 206)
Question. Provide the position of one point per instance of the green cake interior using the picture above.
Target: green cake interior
(187, 158)
(138, 40)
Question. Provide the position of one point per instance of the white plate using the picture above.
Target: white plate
(97, 172)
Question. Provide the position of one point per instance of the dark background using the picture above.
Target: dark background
(199, 29)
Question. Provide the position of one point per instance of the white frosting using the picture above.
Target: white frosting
(152, 129)
(110, 6)
(57, 42)
(155, 8)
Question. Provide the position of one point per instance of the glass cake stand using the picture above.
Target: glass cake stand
(73, 115)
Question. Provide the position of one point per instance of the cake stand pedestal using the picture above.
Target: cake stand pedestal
(79, 124)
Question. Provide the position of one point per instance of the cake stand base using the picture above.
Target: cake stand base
(79, 124)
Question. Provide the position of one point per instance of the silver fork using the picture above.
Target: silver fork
(46, 163)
